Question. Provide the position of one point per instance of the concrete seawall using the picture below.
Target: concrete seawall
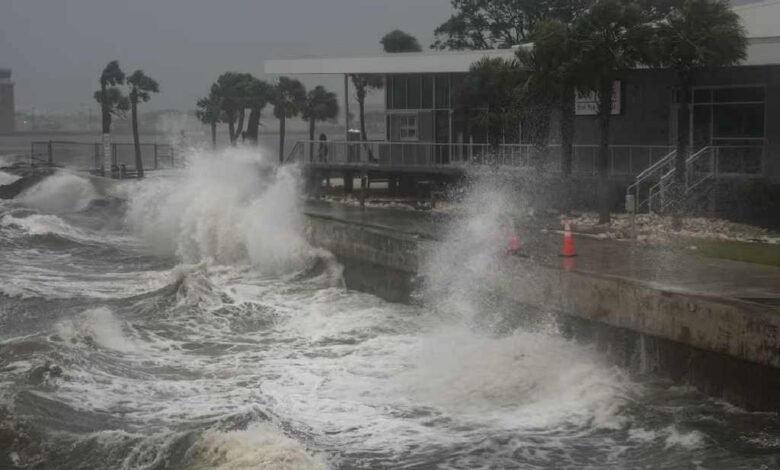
(726, 347)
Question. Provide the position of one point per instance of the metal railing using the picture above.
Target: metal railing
(650, 174)
(88, 155)
(705, 165)
(624, 160)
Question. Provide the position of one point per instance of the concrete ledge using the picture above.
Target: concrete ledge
(726, 347)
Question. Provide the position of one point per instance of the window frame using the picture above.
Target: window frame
(405, 125)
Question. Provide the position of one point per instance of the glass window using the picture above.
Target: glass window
(442, 91)
(701, 96)
(389, 92)
(408, 127)
(427, 92)
(399, 93)
(456, 89)
(413, 85)
(738, 120)
(731, 95)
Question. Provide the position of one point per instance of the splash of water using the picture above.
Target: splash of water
(60, 193)
(462, 270)
(532, 375)
(98, 326)
(7, 178)
(232, 207)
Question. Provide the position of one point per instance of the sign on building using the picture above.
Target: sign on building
(586, 104)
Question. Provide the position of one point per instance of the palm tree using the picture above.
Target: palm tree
(555, 62)
(694, 35)
(536, 97)
(320, 105)
(112, 102)
(492, 83)
(613, 36)
(399, 41)
(209, 112)
(140, 87)
(258, 93)
(232, 89)
(288, 98)
(363, 85)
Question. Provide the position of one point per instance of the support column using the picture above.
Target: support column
(363, 188)
(392, 185)
(348, 182)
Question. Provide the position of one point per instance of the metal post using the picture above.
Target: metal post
(346, 107)
(32, 154)
(155, 156)
(51, 155)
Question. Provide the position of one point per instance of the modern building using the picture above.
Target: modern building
(735, 118)
(7, 108)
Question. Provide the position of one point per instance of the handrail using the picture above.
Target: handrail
(660, 188)
(646, 174)
(624, 159)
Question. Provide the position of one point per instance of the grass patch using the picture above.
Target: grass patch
(749, 252)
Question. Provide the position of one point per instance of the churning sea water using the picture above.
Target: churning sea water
(184, 322)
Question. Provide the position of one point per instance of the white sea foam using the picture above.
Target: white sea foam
(98, 326)
(524, 380)
(262, 445)
(7, 178)
(232, 207)
(60, 193)
(42, 224)
(686, 440)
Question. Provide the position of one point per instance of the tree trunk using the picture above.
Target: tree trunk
(541, 135)
(605, 113)
(104, 111)
(567, 130)
(232, 128)
(281, 139)
(361, 97)
(239, 126)
(106, 126)
(362, 110)
(683, 131)
(139, 164)
(214, 135)
(312, 123)
(253, 126)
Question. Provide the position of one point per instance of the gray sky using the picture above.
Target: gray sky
(57, 48)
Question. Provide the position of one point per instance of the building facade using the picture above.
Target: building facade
(7, 107)
(734, 110)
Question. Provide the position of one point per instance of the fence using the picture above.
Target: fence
(89, 155)
(625, 160)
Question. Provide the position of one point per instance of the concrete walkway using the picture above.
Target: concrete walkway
(664, 268)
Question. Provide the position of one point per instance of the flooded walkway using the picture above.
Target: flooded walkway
(665, 268)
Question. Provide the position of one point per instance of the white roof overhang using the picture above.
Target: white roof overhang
(388, 63)
(761, 21)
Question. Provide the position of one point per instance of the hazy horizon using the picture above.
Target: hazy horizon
(57, 49)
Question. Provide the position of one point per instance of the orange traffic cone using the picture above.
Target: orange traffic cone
(514, 244)
(567, 248)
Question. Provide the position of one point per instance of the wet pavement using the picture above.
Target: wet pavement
(674, 268)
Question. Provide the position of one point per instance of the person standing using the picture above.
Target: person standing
(322, 151)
